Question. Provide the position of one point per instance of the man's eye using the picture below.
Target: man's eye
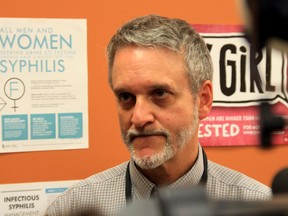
(160, 94)
(124, 96)
(126, 99)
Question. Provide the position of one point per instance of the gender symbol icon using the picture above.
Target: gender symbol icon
(14, 89)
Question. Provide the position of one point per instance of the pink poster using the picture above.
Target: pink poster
(243, 80)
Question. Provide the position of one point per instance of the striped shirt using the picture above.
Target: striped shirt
(105, 192)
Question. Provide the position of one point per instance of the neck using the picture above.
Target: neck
(162, 176)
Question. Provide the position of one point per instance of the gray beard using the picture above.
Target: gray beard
(182, 137)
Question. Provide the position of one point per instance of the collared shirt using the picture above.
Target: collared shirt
(104, 192)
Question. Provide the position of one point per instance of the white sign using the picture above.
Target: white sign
(43, 84)
(243, 77)
(30, 198)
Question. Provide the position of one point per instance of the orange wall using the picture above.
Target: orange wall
(106, 148)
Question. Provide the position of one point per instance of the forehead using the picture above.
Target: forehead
(140, 65)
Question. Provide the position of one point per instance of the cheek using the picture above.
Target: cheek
(180, 118)
(124, 121)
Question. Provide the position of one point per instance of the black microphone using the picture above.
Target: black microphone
(264, 21)
(193, 201)
(280, 182)
(268, 124)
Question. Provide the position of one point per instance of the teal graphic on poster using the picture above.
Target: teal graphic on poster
(14, 127)
(70, 125)
(43, 126)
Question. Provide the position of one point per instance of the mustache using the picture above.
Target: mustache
(131, 134)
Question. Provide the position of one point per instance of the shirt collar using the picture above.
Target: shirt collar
(142, 186)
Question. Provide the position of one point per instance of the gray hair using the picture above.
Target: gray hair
(174, 34)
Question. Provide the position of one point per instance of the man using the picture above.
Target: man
(161, 74)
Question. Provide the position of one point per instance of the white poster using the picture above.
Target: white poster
(243, 81)
(43, 84)
(30, 198)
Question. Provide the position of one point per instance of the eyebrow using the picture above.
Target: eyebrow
(150, 88)
(161, 86)
(117, 91)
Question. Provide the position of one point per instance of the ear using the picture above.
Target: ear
(205, 97)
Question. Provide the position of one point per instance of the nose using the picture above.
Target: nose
(142, 113)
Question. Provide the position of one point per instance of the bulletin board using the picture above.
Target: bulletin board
(105, 146)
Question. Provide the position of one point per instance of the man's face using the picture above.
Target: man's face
(157, 112)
